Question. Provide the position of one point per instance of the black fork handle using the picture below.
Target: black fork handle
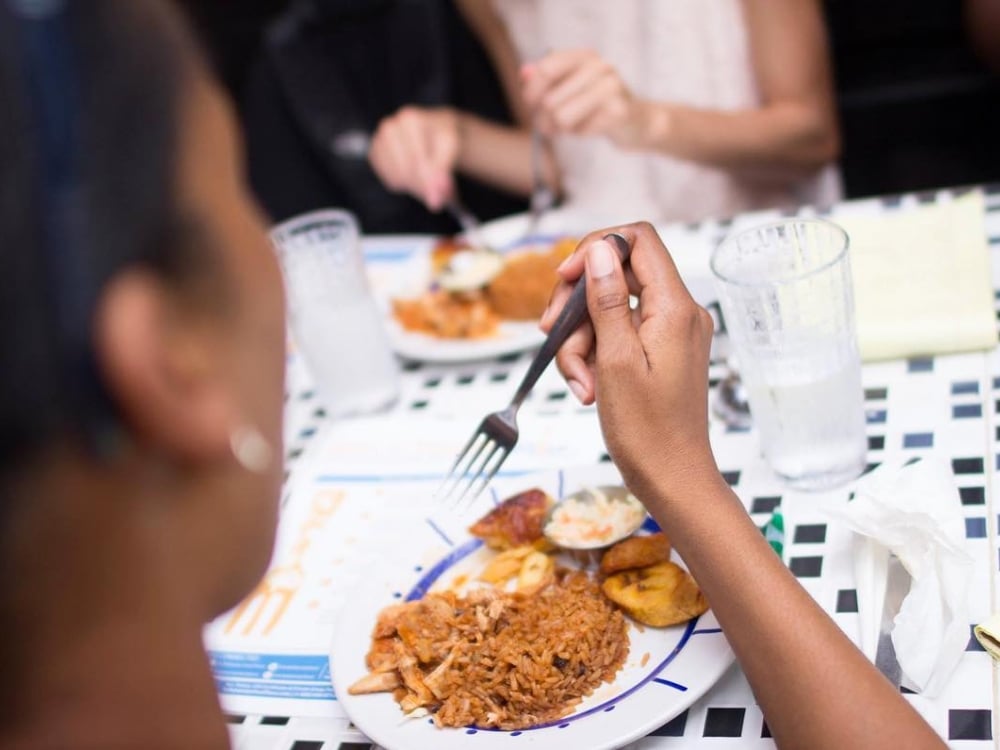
(572, 315)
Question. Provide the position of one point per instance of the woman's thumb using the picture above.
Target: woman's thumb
(608, 297)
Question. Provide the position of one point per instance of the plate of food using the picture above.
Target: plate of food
(554, 612)
(456, 302)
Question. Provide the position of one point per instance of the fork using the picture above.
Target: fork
(497, 434)
(543, 197)
(468, 221)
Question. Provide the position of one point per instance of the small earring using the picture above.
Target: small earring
(250, 449)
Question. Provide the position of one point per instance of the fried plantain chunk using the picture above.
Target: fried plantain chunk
(636, 552)
(659, 595)
(515, 522)
(506, 565)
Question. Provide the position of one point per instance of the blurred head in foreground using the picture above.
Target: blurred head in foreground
(141, 321)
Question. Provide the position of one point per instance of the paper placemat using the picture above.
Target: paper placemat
(922, 279)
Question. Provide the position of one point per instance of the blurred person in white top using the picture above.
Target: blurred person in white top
(666, 111)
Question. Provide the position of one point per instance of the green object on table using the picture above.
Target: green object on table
(774, 532)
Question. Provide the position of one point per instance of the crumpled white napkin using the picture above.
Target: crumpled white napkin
(914, 511)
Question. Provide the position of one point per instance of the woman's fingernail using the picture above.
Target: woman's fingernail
(577, 388)
(601, 259)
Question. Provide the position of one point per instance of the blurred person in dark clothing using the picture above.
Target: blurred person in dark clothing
(328, 73)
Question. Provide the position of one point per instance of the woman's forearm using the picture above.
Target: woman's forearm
(499, 155)
(778, 142)
(807, 676)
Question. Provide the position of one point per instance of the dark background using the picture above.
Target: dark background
(917, 108)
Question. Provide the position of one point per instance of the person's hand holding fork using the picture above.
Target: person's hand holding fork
(646, 368)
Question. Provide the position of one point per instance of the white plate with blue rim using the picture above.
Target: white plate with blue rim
(667, 669)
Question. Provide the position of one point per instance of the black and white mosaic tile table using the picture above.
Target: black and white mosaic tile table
(948, 406)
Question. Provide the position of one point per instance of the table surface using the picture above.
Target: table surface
(347, 480)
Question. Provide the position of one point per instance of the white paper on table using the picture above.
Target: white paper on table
(922, 280)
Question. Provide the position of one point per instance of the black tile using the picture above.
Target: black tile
(507, 358)
(673, 728)
(294, 453)
(813, 533)
(354, 746)
(274, 721)
(876, 442)
(765, 504)
(499, 377)
(308, 432)
(604, 459)
(973, 644)
(806, 567)
(418, 405)
(412, 365)
(465, 379)
(876, 394)
(732, 477)
(967, 465)
(724, 722)
(972, 495)
(969, 724)
(319, 413)
(306, 395)
(557, 396)
(765, 730)
(235, 719)
(906, 691)
(712, 382)
(847, 600)
(871, 467)
(997, 435)
(920, 364)
(911, 461)
(313, 745)
(432, 383)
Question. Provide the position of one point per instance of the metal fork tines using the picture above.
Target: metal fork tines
(496, 436)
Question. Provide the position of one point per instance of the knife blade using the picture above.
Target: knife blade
(897, 586)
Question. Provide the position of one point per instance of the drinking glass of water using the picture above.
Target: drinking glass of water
(335, 321)
(786, 295)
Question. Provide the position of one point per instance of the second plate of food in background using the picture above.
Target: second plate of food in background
(429, 323)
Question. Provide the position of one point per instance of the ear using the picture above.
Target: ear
(161, 367)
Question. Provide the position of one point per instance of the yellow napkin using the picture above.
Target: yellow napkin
(988, 635)
(922, 280)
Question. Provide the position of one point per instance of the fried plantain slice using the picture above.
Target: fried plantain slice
(636, 552)
(506, 565)
(658, 595)
(537, 572)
